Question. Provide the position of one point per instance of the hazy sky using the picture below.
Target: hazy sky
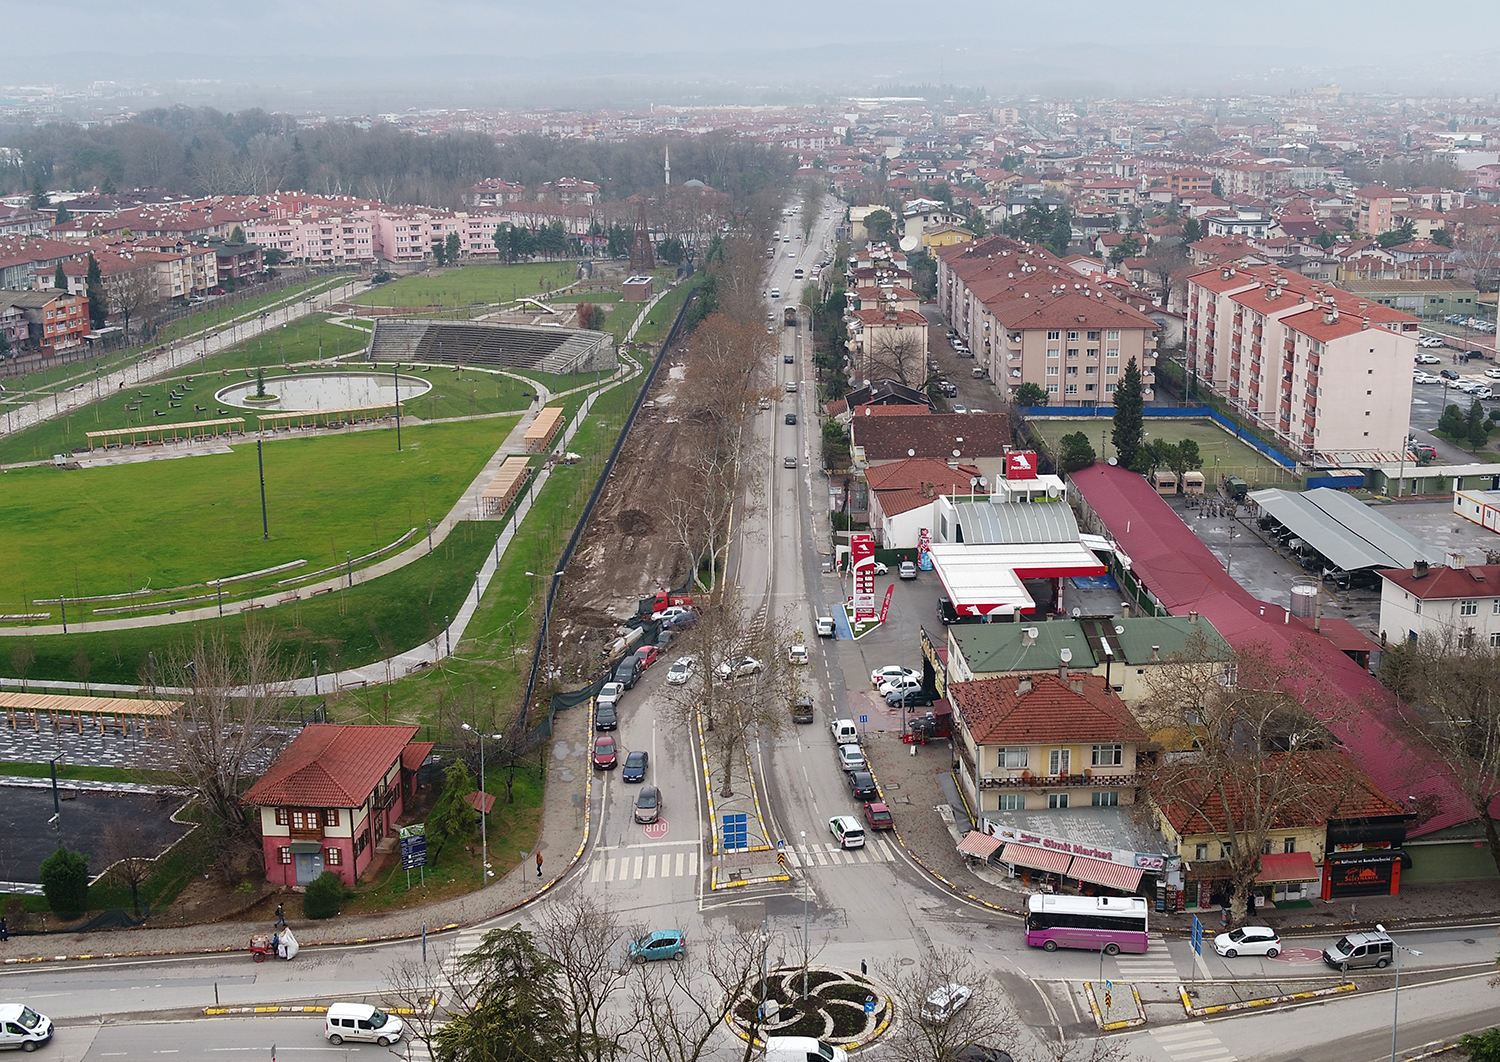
(762, 46)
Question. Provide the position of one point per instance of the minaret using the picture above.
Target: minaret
(667, 167)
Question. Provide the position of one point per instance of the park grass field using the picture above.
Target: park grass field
(169, 523)
(252, 301)
(1223, 454)
(470, 285)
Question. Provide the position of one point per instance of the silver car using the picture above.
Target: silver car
(851, 757)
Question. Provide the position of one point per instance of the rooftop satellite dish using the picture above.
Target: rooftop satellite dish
(1119, 629)
(1114, 461)
(1077, 612)
(867, 411)
(1066, 655)
(957, 453)
(910, 452)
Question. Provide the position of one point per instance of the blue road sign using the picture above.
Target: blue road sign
(869, 1004)
(864, 719)
(1197, 936)
(736, 832)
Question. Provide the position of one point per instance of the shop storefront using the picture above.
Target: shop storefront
(1364, 857)
(1058, 864)
(1289, 878)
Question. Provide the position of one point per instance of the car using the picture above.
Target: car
(1468, 387)
(788, 359)
(670, 612)
(635, 766)
(851, 757)
(797, 654)
(680, 621)
(791, 254)
(909, 698)
(360, 1021)
(862, 785)
(881, 569)
(22, 1027)
(1420, 377)
(786, 239)
(604, 752)
(659, 944)
(680, 671)
(647, 804)
(973, 411)
(765, 403)
(791, 418)
(791, 387)
(788, 461)
(945, 1001)
(908, 570)
(959, 407)
(609, 694)
(745, 665)
(899, 685)
(628, 672)
(605, 717)
(1430, 342)
(847, 831)
(878, 816)
(663, 639)
(802, 709)
(890, 671)
(1492, 373)
(216, 291)
(647, 655)
(1248, 940)
(1449, 374)
(981, 1053)
(775, 293)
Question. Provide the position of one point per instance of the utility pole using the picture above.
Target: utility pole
(265, 526)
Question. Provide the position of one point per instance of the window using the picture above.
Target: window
(1105, 800)
(1072, 370)
(1111, 370)
(1113, 334)
(281, 817)
(1112, 352)
(1468, 607)
(1093, 353)
(1226, 850)
(1052, 389)
(1072, 336)
(1108, 755)
(1054, 352)
(305, 819)
(1072, 389)
(1057, 800)
(332, 857)
(1091, 370)
(1059, 761)
(1012, 802)
(1200, 852)
(1054, 335)
(1072, 353)
(1495, 640)
(1109, 388)
(1495, 608)
(1094, 337)
(284, 855)
(330, 816)
(1010, 758)
(1289, 845)
(1466, 639)
(1051, 370)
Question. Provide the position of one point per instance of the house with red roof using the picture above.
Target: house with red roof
(332, 796)
(902, 493)
(1455, 602)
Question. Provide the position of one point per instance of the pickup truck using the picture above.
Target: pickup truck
(844, 732)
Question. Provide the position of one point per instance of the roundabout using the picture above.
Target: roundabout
(317, 392)
(841, 1008)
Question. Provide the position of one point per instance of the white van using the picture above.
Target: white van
(360, 1021)
(23, 1028)
(802, 1049)
(847, 831)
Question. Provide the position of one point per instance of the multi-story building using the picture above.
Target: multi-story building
(319, 238)
(1454, 602)
(1328, 372)
(56, 321)
(1375, 209)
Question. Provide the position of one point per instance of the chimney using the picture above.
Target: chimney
(1193, 617)
(1330, 317)
(1456, 561)
(1156, 654)
(1419, 569)
(1076, 685)
(1024, 686)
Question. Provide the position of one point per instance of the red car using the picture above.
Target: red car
(878, 816)
(604, 752)
(647, 656)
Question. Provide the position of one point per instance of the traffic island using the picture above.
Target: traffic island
(841, 1008)
(1202, 999)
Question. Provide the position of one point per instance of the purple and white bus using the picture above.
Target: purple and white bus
(1111, 924)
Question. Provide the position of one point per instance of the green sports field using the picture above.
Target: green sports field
(171, 523)
(1223, 454)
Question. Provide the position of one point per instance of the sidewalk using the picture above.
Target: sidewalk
(563, 838)
(914, 788)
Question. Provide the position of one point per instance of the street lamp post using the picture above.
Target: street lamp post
(484, 836)
(1396, 1003)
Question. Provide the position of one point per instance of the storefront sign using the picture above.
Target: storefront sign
(924, 543)
(1020, 464)
(862, 558)
(1361, 875)
(1139, 860)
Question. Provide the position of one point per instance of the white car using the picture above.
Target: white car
(908, 570)
(945, 1001)
(797, 654)
(610, 694)
(1428, 359)
(900, 685)
(851, 757)
(1430, 341)
(745, 665)
(680, 671)
(775, 293)
(1468, 387)
(890, 671)
(1423, 377)
(1492, 373)
(881, 569)
(671, 612)
(1248, 940)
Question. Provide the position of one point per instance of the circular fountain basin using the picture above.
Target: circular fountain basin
(312, 392)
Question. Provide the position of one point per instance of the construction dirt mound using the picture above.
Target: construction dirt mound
(634, 522)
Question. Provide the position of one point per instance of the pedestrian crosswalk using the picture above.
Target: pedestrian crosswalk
(875, 850)
(1155, 965)
(643, 867)
(1191, 1043)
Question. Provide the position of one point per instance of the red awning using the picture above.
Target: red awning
(1289, 866)
(979, 844)
(1103, 872)
(1025, 855)
(480, 802)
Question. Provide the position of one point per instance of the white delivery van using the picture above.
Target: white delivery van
(844, 732)
(802, 1049)
(360, 1021)
(23, 1028)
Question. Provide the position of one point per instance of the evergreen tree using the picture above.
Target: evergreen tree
(1192, 230)
(60, 279)
(63, 216)
(1030, 394)
(1129, 429)
(451, 248)
(237, 235)
(1477, 429)
(1075, 451)
(1062, 232)
(93, 287)
(65, 883)
(40, 200)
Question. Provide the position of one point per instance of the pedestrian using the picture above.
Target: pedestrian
(1224, 914)
(538, 862)
(281, 914)
(1354, 911)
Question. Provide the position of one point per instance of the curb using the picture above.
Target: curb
(215, 1012)
(1114, 1026)
(1268, 1001)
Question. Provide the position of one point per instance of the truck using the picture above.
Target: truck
(661, 601)
(789, 316)
(844, 732)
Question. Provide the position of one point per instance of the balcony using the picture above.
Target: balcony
(1027, 780)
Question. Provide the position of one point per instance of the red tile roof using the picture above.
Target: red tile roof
(1002, 711)
(331, 765)
(1476, 580)
(912, 473)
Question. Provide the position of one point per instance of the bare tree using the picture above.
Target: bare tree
(813, 193)
(680, 1006)
(1449, 689)
(899, 356)
(586, 941)
(1253, 769)
(124, 852)
(132, 294)
(924, 1031)
(22, 657)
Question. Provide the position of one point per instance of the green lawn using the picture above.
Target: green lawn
(170, 523)
(343, 629)
(224, 310)
(1223, 454)
(468, 393)
(471, 284)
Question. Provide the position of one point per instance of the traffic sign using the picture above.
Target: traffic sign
(1197, 936)
(869, 1004)
(864, 719)
(736, 832)
(781, 858)
(655, 830)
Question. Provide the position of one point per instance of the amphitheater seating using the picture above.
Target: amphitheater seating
(499, 346)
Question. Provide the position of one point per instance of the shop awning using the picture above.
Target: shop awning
(1025, 855)
(1103, 872)
(1288, 866)
(979, 844)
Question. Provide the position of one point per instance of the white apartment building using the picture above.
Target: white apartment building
(1454, 602)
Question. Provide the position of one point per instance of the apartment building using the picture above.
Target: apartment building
(1376, 208)
(55, 321)
(319, 238)
(1456, 602)
(1327, 372)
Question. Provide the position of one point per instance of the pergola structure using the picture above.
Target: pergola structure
(60, 710)
(156, 434)
(312, 418)
(502, 490)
